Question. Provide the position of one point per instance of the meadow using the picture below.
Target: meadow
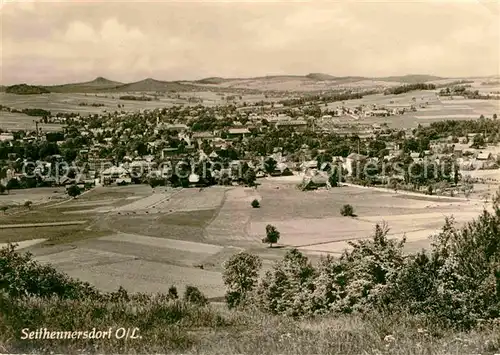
(436, 109)
(146, 239)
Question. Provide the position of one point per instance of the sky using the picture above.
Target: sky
(73, 41)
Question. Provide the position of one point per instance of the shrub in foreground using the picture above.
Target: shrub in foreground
(240, 276)
(193, 295)
(347, 211)
(21, 276)
(456, 282)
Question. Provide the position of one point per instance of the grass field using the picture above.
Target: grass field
(146, 240)
(12, 121)
(37, 196)
(69, 102)
(436, 110)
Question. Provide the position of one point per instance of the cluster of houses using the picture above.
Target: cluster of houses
(155, 133)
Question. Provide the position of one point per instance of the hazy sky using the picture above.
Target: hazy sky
(60, 42)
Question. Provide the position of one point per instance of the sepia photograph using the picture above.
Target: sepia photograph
(217, 177)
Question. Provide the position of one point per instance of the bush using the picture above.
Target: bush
(21, 276)
(457, 283)
(195, 296)
(347, 211)
(74, 191)
(255, 203)
(172, 293)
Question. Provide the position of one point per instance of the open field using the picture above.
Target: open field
(314, 222)
(147, 240)
(13, 121)
(69, 102)
(437, 109)
(37, 196)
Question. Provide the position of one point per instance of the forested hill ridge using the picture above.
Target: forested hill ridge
(309, 82)
(24, 89)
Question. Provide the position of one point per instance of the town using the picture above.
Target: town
(250, 177)
(239, 143)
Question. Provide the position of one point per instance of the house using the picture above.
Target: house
(6, 137)
(237, 132)
(169, 152)
(378, 113)
(204, 136)
(139, 166)
(180, 127)
(194, 179)
(298, 125)
(307, 165)
(213, 155)
(115, 174)
(282, 169)
(317, 180)
(458, 152)
(484, 156)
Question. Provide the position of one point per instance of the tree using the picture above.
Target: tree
(255, 203)
(347, 211)
(13, 184)
(250, 177)
(270, 165)
(4, 209)
(224, 179)
(272, 235)
(28, 204)
(333, 179)
(456, 175)
(495, 116)
(2, 189)
(74, 191)
(478, 141)
(467, 186)
(240, 276)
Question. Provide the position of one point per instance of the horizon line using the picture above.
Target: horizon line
(256, 77)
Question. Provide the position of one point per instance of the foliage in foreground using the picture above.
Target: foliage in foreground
(456, 282)
(173, 326)
(383, 302)
(23, 277)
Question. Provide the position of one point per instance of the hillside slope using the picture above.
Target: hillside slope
(309, 82)
(96, 85)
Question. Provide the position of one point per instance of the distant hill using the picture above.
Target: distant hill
(411, 79)
(212, 80)
(96, 85)
(320, 76)
(101, 84)
(24, 89)
(152, 85)
(309, 82)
